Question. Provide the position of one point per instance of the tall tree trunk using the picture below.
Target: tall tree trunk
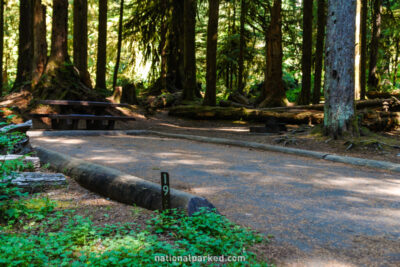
(189, 28)
(212, 40)
(25, 44)
(396, 62)
(102, 46)
(163, 45)
(1, 44)
(39, 41)
(119, 45)
(242, 44)
(174, 46)
(304, 98)
(319, 52)
(363, 60)
(357, 52)
(80, 40)
(178, 24)
(373, 79)
(59, 33)
(339, 68)
(274, 90)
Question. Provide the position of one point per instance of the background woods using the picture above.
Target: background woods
(217, 52)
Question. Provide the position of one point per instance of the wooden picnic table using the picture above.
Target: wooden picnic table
(93, 121)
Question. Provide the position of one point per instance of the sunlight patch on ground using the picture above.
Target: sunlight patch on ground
(95, 202)
(207, 190)
(362, 185)
(68, 141)
(224, 129)
(192, 162)
(317, 262)
(355, 199)
(116, 159)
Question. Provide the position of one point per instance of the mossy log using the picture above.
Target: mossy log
(380, 120)
(294, 116)
(360, 104)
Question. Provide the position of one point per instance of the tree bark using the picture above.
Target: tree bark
(319, 52)
(102, 46)
(59, 33)
(25, 45)
(39, 41)
(396, 62)
(357, 55)
(174, 46)
(242, 44)
(339, 68)
(373, 79)
(212, 40)
(305, 93)
(1, 44)
(80, 40)
(189, 29)
(119, 45)
(163, 45)
(274, 90)
(363, 60)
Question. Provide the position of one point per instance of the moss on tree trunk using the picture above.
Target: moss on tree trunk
(339, 69)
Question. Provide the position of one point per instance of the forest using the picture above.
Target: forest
(252, 54)
(275, 126)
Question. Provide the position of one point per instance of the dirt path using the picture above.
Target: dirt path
(331, 212)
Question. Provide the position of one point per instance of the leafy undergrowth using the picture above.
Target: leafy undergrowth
(51, 237)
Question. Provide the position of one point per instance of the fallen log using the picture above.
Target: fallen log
(32, 181)
(380, 120)
(360, 104)
(294, 116)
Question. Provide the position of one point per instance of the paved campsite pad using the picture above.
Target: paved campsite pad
(326, 209)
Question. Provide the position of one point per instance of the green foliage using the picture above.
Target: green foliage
(140, 58)
(292, 87)
(79, 243)
(9, 140)
(206, 233)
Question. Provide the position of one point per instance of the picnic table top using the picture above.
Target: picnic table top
(81, 103)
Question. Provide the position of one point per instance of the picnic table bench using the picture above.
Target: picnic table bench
(93, 121)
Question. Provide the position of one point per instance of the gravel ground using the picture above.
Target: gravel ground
(334, 214)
